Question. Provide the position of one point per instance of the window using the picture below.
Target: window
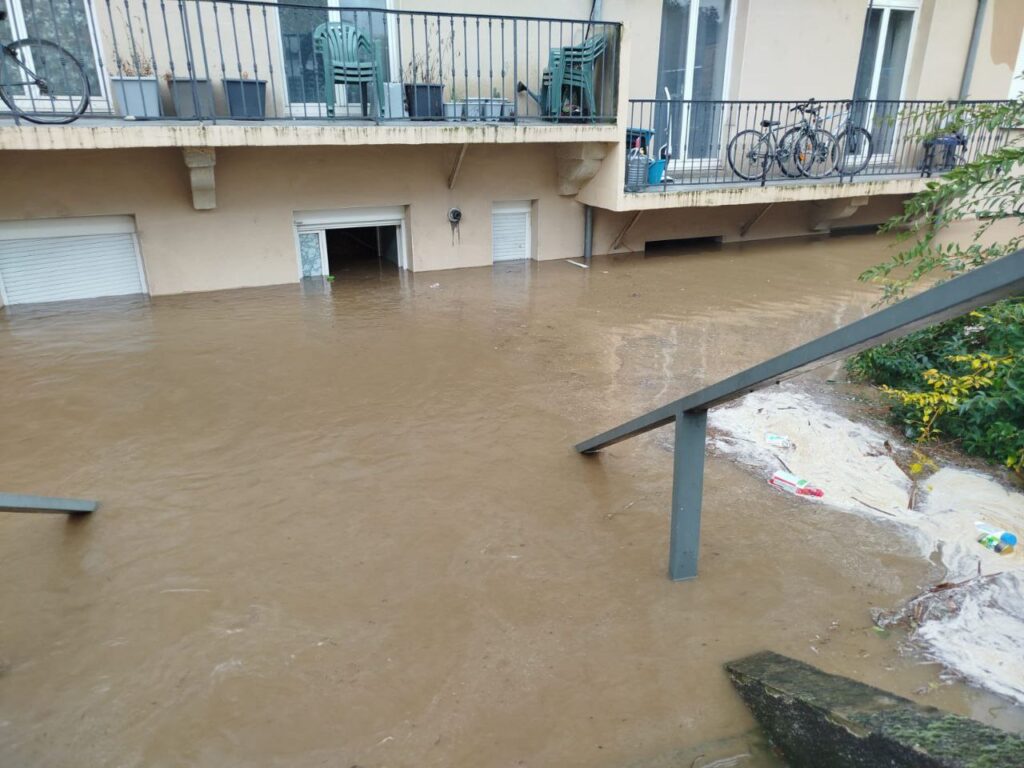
(68, 23)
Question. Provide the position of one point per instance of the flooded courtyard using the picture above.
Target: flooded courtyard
(343, 524)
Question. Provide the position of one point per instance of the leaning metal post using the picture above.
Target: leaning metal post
(997, 280)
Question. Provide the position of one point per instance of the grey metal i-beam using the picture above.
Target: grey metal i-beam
(16, 502)
(997, 280)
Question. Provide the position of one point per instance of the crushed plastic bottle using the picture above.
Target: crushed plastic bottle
(990, 537)
(790, 483)
(777, 441)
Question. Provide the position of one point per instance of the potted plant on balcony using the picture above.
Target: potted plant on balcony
(186, 92)
(246, 98)
(488, 108)
(424, 100)
(136, 89)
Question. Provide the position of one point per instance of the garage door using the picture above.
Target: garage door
(510, 231)
(62, 259)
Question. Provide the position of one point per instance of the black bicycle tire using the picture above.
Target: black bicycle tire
(844, 170)
(730, 151)
(38, 119)
(782, 145)
(831, 143)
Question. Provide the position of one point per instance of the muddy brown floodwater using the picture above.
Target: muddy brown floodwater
(344, 525)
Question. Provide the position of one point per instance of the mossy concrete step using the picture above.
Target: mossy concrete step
(818, 719)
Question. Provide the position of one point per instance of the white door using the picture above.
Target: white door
(304, 87)
(692, 65)
(510, 231)
(62, 259)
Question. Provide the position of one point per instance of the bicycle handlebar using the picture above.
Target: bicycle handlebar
(806, 106)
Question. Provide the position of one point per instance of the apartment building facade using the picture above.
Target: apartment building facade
(233, 143)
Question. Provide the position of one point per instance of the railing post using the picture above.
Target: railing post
(687, 491)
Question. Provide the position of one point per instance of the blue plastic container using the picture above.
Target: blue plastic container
(655, 171)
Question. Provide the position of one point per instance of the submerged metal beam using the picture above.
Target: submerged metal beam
(16, 502)
(998, 280)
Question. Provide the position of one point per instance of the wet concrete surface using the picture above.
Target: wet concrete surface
(342, 524)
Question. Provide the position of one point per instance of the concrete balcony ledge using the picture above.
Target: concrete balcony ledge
(126, 134)
(694, 196)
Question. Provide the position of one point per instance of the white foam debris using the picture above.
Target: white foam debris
(983, 638)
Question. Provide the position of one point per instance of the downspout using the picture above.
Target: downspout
(972, 52)
(588, 232)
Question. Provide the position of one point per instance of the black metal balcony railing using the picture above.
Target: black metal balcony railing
(247, 59)
(674, 144)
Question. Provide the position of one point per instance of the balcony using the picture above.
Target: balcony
(226, 71)
(704, 152)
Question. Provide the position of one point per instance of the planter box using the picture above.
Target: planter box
(246, 98)
(486, 109)
(184, 97)
(425, 101)
(455, 110)
(137, 96)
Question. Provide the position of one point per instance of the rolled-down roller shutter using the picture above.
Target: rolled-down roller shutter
(63, 259)
(510, 231)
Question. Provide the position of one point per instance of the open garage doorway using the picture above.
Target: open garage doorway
(354, 252)
(351, 244)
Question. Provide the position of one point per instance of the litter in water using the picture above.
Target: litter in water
(779, 441)
(1000, 542)
(790, 483)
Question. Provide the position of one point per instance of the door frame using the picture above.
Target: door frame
(320, 221)
(680, 162)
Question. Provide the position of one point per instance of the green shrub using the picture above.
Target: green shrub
(989, 420)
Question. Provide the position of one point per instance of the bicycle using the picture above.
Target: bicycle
(853, 145)
(43, 76)
(754, 150)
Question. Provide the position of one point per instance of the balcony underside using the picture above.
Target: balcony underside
(697, 196)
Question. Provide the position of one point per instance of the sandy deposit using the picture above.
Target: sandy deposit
(979, 633)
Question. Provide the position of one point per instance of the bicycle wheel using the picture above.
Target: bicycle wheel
(853, 151)
(815, 153)
(42, 82)
(786, 156)
(748, 154)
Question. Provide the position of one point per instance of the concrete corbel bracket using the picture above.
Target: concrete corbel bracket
(828, 212)
(200, 162)
(578, 164)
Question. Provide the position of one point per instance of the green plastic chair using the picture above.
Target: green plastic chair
(573, 67)
(349, 57)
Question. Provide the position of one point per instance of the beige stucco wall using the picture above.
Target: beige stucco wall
(772, 59)
(248, 240)
(997, 52)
